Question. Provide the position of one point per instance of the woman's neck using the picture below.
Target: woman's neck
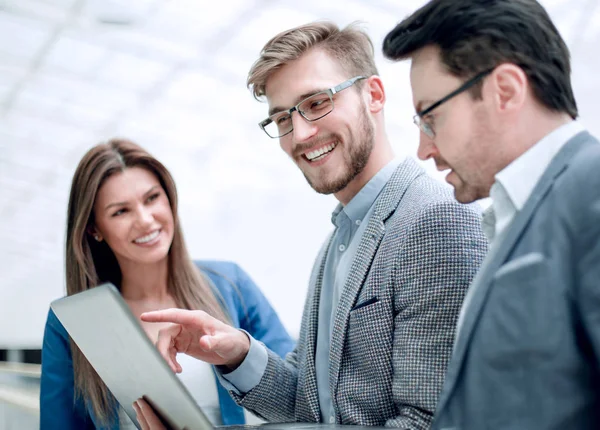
(145, 282)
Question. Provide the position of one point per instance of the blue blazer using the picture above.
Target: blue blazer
(527, 355)
(248, 309)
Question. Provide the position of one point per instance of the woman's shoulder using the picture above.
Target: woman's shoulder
(54, 325)
(228, 277)
(218, 267)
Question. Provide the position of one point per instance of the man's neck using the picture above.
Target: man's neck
(377, 161)
(537, 129)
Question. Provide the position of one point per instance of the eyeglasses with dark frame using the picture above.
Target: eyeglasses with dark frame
(419, 118)
(311, 108)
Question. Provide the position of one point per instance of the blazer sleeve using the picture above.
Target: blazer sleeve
(58, 408)
(275, 397)
(433, 270)
(259, 319)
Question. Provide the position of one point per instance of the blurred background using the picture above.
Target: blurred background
(170, 75)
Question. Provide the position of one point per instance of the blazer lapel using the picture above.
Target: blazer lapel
(483, 280)
(310, 373)
(385, 205)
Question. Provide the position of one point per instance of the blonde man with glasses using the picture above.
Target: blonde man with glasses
(387, 286)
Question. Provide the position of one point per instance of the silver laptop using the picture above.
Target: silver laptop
(101, 324)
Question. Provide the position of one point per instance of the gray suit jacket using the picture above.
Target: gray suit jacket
(527, 356)
(394, 326)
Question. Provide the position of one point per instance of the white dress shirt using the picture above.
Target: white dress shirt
(515, 183)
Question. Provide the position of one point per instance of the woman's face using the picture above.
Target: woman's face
(134, 217)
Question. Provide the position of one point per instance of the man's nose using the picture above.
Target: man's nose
(303, 129)
(427, 148)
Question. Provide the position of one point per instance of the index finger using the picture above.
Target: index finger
(173, 315)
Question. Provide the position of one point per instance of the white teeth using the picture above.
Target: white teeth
(148, 237)
(317, 153)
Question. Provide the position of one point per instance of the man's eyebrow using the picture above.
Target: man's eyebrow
(421, 105)
(276, 109)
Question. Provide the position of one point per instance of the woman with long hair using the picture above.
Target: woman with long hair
(123, 228)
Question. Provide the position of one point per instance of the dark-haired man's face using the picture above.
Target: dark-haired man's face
(464, 138)
(333, 151)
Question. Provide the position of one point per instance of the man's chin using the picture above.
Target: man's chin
(326, 187)
(464, 194)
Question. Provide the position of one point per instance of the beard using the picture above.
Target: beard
(474, 170)
(355, 155)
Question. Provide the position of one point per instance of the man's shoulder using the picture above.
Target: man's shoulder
(583, 171)
(576, 191)
(427, 198)
(577, 186)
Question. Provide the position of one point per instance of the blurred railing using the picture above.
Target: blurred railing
(19, 396)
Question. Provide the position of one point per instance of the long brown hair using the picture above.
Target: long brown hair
(90, 263)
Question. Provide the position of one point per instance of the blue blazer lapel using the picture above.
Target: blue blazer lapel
(513, 233)
(385, 205)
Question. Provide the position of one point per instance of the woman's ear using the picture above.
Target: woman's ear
(92, 231)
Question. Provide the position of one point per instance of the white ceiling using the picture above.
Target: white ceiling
(171, 76)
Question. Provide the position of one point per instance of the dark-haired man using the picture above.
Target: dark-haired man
(491, 87)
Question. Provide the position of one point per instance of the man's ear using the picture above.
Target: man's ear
(510, 86)
(376, 100)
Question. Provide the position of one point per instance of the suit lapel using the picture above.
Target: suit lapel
(385, 205)
(483, 280)
(310, 373)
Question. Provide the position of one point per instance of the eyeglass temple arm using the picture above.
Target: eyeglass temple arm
(459, 90)
(346, 84)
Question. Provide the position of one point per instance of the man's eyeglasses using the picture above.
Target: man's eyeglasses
(311, 108)
(420, 120)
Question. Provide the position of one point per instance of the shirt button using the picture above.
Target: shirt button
(342, 247)
(331, 420)
(357, 222)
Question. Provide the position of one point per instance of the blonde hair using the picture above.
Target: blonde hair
(90, 263)
(350, 46)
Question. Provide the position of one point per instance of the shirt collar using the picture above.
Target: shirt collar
(520, 177)
(357, 208)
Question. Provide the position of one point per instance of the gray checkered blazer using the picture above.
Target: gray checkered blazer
(388, 358)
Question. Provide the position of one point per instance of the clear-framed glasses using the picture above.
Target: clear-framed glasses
(311, 108)
(420, 119)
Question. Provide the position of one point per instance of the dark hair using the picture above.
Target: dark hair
(476, 35)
